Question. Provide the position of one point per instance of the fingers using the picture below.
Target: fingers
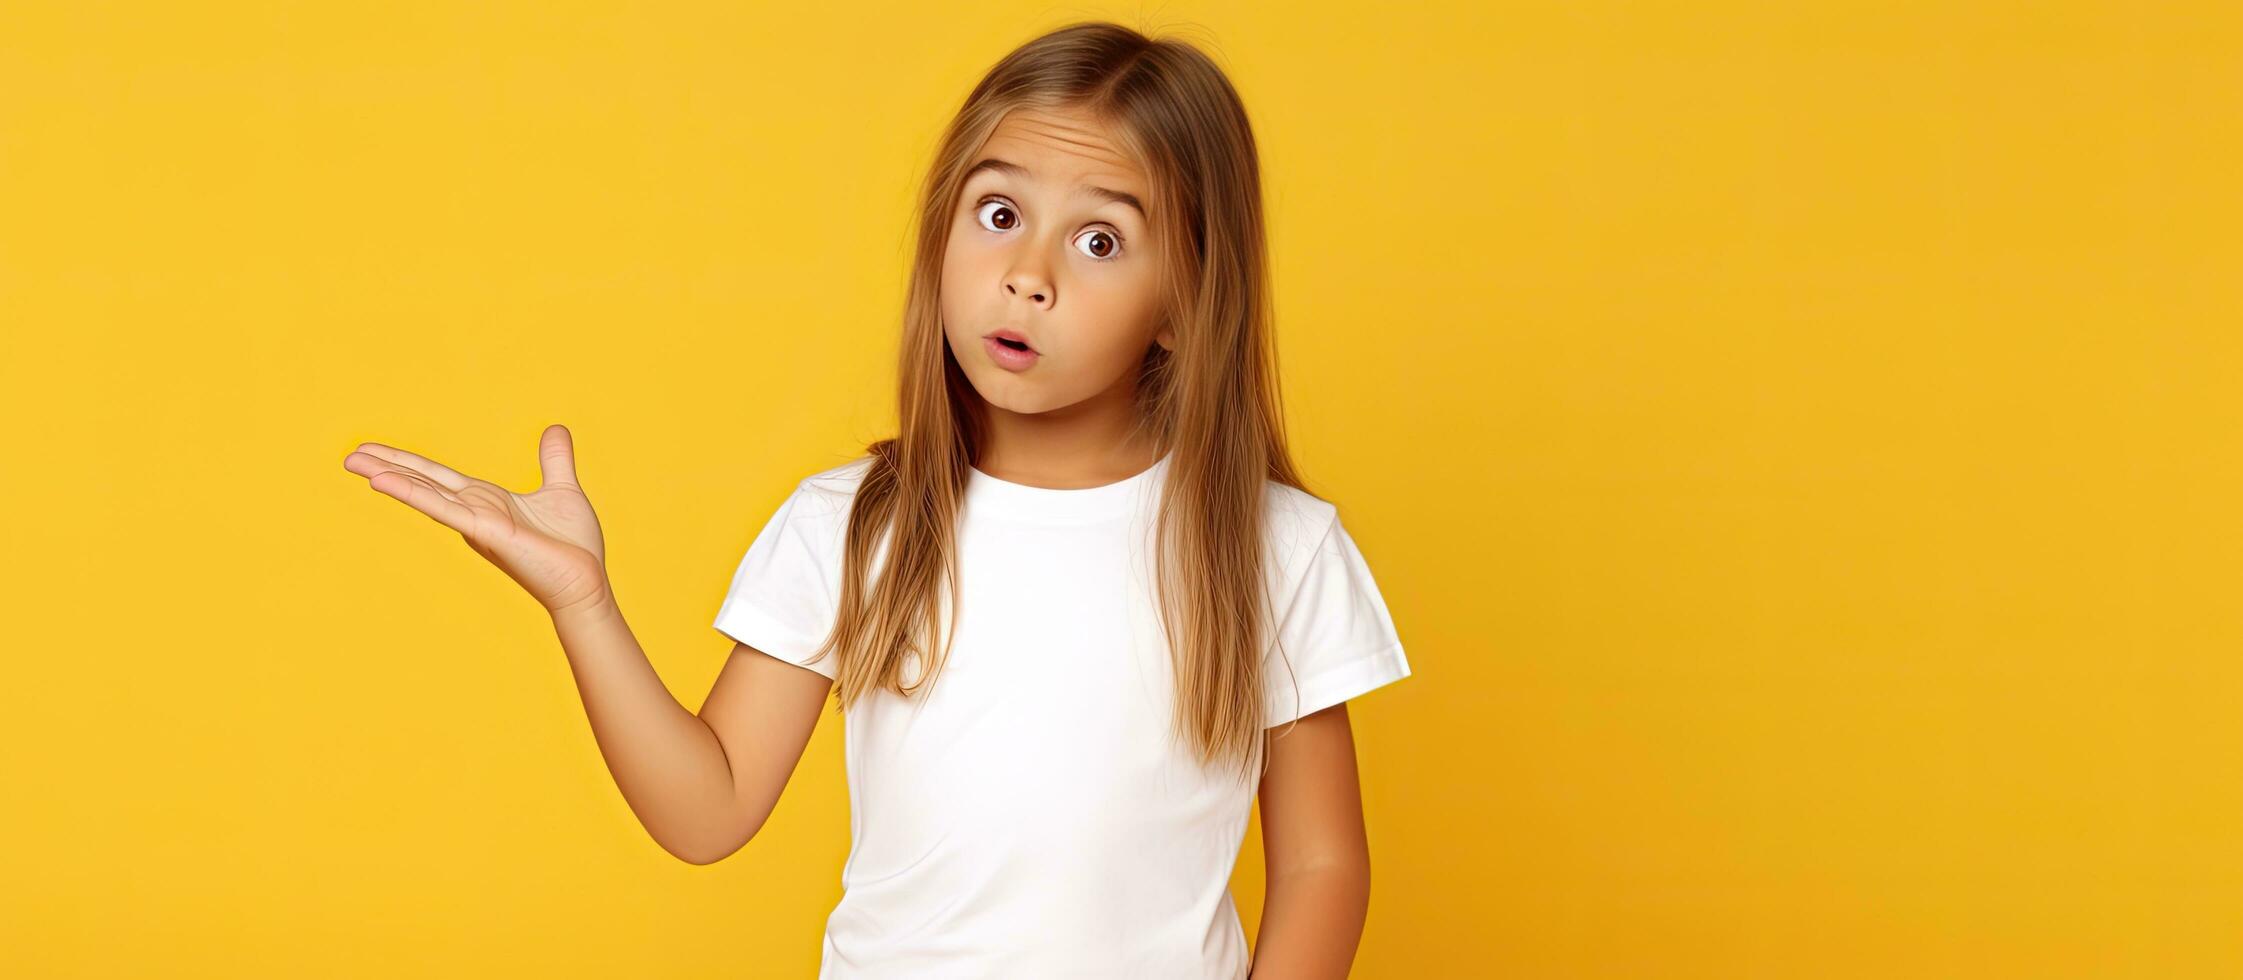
(421, 466)
(556, 456)
(368, 465)
(422, 495)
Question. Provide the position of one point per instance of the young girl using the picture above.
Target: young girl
(1065, 610)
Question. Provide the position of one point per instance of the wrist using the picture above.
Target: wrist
(596, 607)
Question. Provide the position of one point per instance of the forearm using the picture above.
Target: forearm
(666, 760)
(1311, 922)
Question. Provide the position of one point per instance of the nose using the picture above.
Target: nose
(1035, 287)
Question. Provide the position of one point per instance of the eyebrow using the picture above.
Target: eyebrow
(1016, 170)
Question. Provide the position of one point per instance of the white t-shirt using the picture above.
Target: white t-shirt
(1028, 814)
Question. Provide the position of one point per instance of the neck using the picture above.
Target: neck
(1091, 443)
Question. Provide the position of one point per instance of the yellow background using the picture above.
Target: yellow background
(1799, 444)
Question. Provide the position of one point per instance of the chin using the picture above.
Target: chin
(1016, 396)
(1015, 403)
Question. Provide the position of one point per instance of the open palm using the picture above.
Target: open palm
(548, 540)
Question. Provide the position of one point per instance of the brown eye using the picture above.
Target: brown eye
(996, 215)
(1011, 220)
(1105, 243)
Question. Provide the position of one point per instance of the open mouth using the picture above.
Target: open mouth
(1008, 351)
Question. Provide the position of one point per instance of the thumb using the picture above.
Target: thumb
(556, 455)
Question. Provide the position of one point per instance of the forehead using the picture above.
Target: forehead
(1064, 147)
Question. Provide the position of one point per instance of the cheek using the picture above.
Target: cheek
(962, 254)
(957, 269)
(1129, 300)
(1122, 314)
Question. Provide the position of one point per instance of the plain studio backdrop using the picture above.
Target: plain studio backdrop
(1798, 443)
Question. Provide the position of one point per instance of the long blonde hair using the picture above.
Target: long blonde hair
(1212, 404)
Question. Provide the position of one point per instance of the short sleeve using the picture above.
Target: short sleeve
(1335, 637)
(781, 600)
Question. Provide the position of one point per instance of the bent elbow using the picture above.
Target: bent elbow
(704, 853)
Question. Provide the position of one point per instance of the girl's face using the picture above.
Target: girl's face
(1049, 241)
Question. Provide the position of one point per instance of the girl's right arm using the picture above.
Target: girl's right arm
(702, 785)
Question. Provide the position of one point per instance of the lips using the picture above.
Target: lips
(1008, 357)
(1010, 338)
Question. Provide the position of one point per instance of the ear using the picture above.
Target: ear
(1166, 338)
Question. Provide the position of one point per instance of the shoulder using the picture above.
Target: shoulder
(1295, 518)
(829, 492)
(1295, 523)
